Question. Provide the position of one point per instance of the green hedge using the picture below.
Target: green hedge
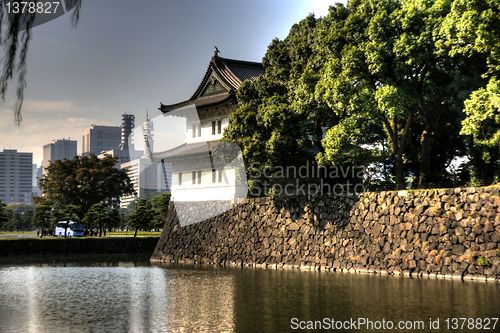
(36, 246)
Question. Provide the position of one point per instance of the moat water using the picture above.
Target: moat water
(124, 296)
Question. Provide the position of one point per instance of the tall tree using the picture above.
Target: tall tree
(101, 216)
(390, 70)
(42, 216)
(20, 216)
(4, 218)
(84, 181)
(472, 30)
(141, 217)
(159, 203)
(374, 83)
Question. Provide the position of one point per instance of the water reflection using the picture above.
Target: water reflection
(283, 295)
(134, 297)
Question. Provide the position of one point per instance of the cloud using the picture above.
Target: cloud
(48, 106)
(43, 122)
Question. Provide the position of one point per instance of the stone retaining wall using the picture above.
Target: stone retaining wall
(451, 233)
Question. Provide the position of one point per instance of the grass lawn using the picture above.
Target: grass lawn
(130, 233)
(32, 234)
(17, 234)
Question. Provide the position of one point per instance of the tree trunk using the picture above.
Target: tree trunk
(398, 146)
(399, 170)
(100, 231)
(135, 233)
(425, 162)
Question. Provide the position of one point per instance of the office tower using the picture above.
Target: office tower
(58, 150)
(35, 188)
(128, 124)
(97, 139)
(146, 176)
(16, 176)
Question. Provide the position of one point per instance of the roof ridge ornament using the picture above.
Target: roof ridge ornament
(216, 51)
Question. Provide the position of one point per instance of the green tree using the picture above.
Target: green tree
(141, 217)
(4, 218)
(42, 217)
(159, 203)
(373, 83)
(471, 30)
(482, 124)
(101, 216)
(278, 122)
(391, 71)
(20, 217)
(84, 181)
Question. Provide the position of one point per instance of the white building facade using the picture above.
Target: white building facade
(203, 168)
(147, 177)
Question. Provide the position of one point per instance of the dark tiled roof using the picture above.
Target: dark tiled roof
(204, 101)
(231, 72)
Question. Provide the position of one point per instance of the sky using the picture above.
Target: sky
(128, 56)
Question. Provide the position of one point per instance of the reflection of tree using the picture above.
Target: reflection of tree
(15, 34)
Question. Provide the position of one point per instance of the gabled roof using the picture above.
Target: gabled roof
(186, 150)
(229, 73)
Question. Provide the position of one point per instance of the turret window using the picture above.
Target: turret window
(216, 127)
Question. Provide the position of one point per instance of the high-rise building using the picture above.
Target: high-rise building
(16, 176)
(58, 150)
(146, 176)
(36, 177)
(147, 179)
(97, 139)
(128, 124)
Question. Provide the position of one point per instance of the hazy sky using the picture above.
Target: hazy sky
(128, 56)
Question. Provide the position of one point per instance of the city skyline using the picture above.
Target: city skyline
(99, 71)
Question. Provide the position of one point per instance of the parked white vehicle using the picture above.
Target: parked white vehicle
(74, 229)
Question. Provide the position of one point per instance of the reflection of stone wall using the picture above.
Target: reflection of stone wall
(446, 232)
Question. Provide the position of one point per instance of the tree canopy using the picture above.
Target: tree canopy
(84, 182)
(4, 218)
(101, 216)
(408, 86)
(142, 216)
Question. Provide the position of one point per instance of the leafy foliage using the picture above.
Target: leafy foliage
(4, 218)
(377, 83)
(84, 182)
(42, 216)
(102, 217)
(159, 203)
(142, 216)
(20, 217)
